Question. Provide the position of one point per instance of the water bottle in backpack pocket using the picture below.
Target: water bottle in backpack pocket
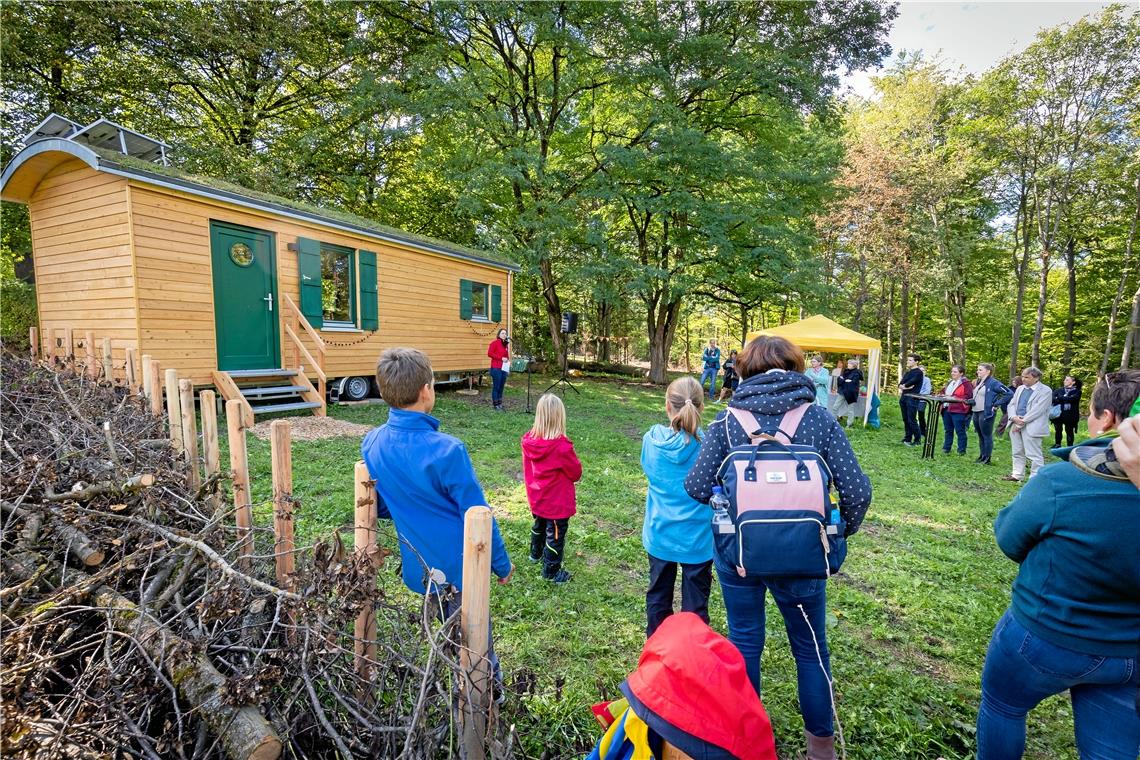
(780, 505)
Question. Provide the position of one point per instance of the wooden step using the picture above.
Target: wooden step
(260, 374)
(290, 407)
(260, 391)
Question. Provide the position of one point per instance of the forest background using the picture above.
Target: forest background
(673, 171)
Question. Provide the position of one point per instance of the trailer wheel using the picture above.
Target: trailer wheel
(355, 388)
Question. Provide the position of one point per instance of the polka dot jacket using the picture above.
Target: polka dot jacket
(768, 396)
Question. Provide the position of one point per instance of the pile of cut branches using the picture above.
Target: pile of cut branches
(131, 628)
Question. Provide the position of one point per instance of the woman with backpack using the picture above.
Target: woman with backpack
(772, 386)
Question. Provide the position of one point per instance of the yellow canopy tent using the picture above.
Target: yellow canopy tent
(819, 333)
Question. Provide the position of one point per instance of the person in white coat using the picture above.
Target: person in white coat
(1029, 423)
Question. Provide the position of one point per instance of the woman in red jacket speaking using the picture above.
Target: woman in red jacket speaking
(500, 354)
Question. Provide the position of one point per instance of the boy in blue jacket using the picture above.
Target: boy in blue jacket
(425, 483)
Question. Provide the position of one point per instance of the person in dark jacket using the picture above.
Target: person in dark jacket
(909, 406)
(1068, 397)
(1004, 423)
(1074, 616)
(772, 383)
(848, 391)
(989, 396)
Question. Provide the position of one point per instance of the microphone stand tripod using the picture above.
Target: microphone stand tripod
(565, 379)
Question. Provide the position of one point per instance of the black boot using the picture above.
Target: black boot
(537, 538)
(553, 552)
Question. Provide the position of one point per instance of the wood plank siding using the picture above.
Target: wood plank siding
(418, 291)
(82, 257)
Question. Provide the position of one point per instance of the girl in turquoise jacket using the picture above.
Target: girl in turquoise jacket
(677, 528)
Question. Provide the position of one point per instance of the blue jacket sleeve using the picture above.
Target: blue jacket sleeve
(1003, 395)
(714, 446)
(463, 488)
(1027, 519)
(852, 483)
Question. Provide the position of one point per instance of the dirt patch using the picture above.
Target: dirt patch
(315, 429)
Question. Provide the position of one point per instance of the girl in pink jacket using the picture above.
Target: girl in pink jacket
(550, 470)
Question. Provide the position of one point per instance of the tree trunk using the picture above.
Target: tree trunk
(1125, 270)
(1132, 340)
(553, 306)
(1021, 267)
(1071, 320)
(1042, 300)
(956, 325)
(662, 321)
(861, 295)
(904, 324)
(743, 325)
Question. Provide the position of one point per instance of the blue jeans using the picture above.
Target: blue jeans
(955, 424)
(709, 373)
(984, 426)
(795, 598)
(1022, 669)
(498, 380)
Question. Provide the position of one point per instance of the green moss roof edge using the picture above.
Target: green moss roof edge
(193, 183)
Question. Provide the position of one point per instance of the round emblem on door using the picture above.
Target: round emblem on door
(241, 254)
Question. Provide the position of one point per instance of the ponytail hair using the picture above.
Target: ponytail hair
(685, 400)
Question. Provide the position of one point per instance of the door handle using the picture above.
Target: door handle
(269, 299)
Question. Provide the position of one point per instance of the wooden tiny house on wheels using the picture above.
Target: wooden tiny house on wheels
(270, 300)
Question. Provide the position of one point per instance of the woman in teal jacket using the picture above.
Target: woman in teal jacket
(1074, 618)
(677, 529)
(820, 380)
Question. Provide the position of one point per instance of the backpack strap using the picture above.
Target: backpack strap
(787, 427)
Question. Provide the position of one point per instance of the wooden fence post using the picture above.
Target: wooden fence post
(475, 619)
(364, 635)
(173, 409)
(281, 459)
(147, 378)
(108, 366)
(155, 388)
(90, 362)
(189, 429)
(239, 463)
(207, 403)
(130, 378)
(34, 342)
(68, 349)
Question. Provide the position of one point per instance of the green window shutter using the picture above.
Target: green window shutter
(369, 314)
(309, 269)
(465, 299)
(496, 303)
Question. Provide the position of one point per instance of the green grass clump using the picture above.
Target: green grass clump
(909, 618)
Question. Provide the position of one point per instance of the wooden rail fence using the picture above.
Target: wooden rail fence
(158, 385)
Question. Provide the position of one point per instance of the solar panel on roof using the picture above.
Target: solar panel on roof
(53, 126)
(100, 134)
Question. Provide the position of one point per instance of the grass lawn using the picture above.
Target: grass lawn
(909, 617)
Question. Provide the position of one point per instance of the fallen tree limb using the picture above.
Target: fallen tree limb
(130, 485)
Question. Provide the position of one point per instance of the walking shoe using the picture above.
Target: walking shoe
(1010, 478)
(947, 451)
(818, 747)
(560, 577)
(535, 559)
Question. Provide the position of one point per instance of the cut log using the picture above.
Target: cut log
(243, 731)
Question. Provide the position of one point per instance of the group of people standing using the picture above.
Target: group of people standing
(1027, 409)
(1075, 611)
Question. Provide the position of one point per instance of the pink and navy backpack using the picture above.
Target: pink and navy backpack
(783, 521)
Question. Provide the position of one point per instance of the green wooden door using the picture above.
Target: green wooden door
(245, 297)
